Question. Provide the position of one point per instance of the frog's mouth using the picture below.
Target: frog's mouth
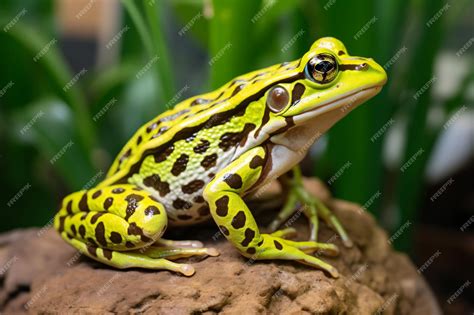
(344, 104)
(304, 129)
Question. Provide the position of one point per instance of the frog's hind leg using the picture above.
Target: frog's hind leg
(175, 252)
(312, 207)
(129, 259)
(115, 225)
(179, 244)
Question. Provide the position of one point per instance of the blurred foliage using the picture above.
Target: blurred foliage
(40, 118)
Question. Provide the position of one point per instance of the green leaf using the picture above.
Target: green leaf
(193, 17)
(232, 41)
(49, 126)
(154, 13)
(45, 55)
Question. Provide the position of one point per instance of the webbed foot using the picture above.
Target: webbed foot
(312, 207)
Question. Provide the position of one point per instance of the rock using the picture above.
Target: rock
(42, 274)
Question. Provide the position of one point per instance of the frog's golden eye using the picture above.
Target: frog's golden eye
(322, 68)
(277, 99)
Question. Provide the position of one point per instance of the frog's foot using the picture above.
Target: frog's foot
(130, 259)
(271, 247)
(312, 207)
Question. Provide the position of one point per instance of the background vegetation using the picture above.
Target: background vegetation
(193, 46)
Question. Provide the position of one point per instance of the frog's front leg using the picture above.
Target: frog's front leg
(237, 223)
(121, 226)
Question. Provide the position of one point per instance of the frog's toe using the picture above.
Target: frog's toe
(285, 233)
(212, 252)
(326, 249)
(180, 244)
(176, 253)
(187, 269)
(314, 262)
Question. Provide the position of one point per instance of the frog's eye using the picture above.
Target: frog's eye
(322, 68)
(277, 99)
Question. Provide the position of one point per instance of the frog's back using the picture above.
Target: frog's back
(177, 153)
(191, 115)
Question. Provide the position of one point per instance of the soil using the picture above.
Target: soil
(40, 273)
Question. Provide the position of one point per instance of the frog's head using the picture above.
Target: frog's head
(330, 84)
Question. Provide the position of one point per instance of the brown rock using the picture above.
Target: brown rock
(42, 274)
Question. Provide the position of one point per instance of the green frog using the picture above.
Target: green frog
(201, 158)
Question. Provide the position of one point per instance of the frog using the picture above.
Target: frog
(201, 160)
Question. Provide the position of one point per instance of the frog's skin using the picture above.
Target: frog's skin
(199, 159)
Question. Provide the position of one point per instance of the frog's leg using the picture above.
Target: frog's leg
(179, 244)
(115, 225)
(312, 207)
(175, 252)
(237, 223)
(289, 208)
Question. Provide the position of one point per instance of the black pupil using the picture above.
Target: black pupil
(323, 66)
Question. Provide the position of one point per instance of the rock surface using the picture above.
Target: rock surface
(40, 273)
